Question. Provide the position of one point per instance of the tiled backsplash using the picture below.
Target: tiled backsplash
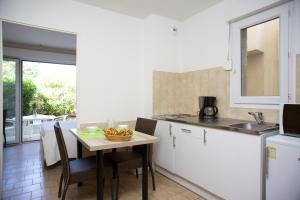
(178, 93)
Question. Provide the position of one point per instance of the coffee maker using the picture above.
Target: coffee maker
(208, 108)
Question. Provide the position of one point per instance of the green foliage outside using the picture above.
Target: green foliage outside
(29, 90)
(55, 97)
(9, 94)
(55, 100)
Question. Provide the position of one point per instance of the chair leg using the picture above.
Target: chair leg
(60, 185)
(65, 191)
(137, 173)
(112, 191)
(116, 181)
(152, 175)
(117, 189)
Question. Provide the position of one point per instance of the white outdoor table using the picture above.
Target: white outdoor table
(100, 144)
(38, 117)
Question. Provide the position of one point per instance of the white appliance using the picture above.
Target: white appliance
(283, 168)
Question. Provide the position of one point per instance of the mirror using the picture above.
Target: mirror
(260, 59)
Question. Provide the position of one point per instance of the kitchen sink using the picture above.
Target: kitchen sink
(254, 126)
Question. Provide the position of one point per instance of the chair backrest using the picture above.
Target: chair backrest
(146, 126)
(62, 151)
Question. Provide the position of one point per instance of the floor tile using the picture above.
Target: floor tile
(26, 178)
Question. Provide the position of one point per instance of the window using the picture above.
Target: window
(260, 46)
(260, 59)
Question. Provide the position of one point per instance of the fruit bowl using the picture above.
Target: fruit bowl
(118, 135)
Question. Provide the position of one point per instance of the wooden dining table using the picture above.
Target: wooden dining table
(100, 143)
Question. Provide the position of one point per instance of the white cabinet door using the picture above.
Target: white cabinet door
(225, 163)
(232, 167)
(164, 149)
(189, 151)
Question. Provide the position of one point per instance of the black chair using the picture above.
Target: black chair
(133, 159)
(4, 124)
(74, 171)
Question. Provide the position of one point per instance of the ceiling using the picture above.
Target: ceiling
(175, 9)
(21, 34)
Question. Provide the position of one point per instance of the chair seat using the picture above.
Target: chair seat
(81, 165)
(84, 169)
(123, 156)
(84, 164)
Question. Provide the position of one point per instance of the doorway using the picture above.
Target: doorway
(39, 80)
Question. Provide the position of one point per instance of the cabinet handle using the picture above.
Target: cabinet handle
(204, 136)
(298, 159)
(170, 129)
(174, 140)
(186, 130)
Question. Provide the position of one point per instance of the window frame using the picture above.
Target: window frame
(237, 100)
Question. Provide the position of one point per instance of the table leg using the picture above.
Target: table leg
(145, 172)
(99, 161)
(79, 156)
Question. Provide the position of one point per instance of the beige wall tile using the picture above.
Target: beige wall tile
(178, 93)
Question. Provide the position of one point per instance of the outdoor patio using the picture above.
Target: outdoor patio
(30, 133)
(31, 127)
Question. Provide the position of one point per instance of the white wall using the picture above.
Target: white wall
(205, 35)
(162, 43)
(117, 53)
(161, 52)
(109, 54)
(39, 56)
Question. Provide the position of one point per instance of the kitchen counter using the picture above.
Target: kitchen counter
(219, 123)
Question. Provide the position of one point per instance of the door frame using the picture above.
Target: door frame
(18, 100)
(1, 85)
(1, 109)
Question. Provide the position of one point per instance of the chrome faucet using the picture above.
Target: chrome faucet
(258, 116)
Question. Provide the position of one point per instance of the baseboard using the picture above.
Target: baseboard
(185, 183)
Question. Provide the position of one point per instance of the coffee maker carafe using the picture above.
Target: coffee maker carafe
(208, 108)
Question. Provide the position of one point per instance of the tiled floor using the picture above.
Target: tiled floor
(25, 178)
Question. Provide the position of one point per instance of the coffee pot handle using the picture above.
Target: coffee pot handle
(216, 110)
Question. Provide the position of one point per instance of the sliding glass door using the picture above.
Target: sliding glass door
(35, 93)
(11, 99)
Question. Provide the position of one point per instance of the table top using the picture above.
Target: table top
(94, 144)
